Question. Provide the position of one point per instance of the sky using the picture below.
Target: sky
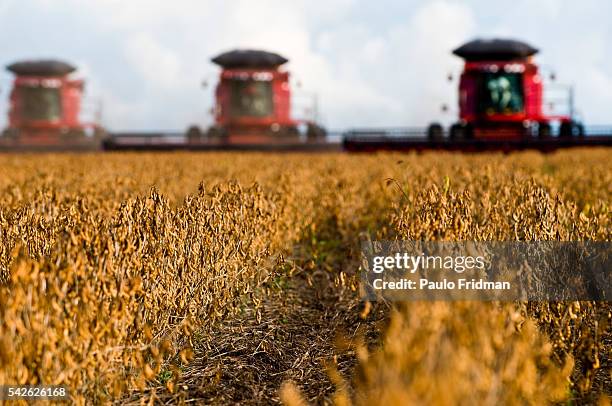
(367, 63)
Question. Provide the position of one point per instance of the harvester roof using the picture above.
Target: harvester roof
(249, 58)
(46, 67)
(495, 50)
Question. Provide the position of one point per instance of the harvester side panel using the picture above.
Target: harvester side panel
(468, 97)
(71, 100)
(282, 98)
(532, 87)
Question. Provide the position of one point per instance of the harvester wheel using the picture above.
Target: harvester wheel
(290, 131)
(435, 131)
(194, 133)
(315, 131)
(567, 129)
(100, 133)
(456, 132)
(216, 132)
(11, 134)
(544, 130)
(460, 132)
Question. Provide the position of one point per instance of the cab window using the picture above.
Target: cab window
(502, 93)
(41, 103)
(251, 98)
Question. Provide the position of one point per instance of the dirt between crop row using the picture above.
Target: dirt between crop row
(298, 333)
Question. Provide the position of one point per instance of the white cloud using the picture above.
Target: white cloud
(146, 58)
(5, 5)
(159, 66)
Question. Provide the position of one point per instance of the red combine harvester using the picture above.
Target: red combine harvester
(501, 94)
(252, 112)
(45, 104)
(500, 108)
(253, 98)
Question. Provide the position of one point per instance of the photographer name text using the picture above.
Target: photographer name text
(444, 284)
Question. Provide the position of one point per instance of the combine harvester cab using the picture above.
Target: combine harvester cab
(253, 100)
(501, 95)
(45, 104)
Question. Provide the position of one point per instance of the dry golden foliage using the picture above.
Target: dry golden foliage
(110, 263)
(461, 353)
